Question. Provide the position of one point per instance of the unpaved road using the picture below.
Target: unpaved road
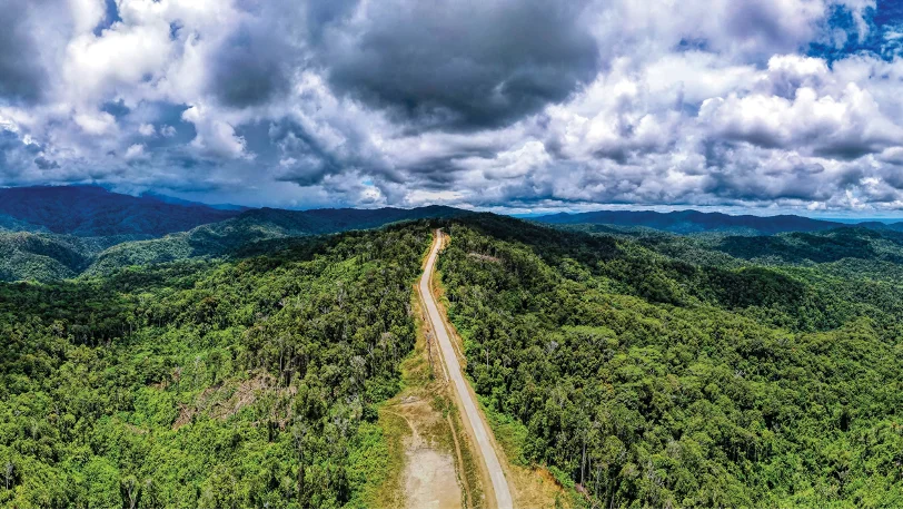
(481, 433)
(429, 477)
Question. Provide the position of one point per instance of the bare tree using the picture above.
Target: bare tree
(131, 487)
(8, 470)
(300, 432)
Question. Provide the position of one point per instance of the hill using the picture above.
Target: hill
(47, 257)
(92, 211)
(653, 370)
(240, 384)
(11, 224)
(173, 200)
(705, 381)
(325, 221)
(689, 221)
(256, 226)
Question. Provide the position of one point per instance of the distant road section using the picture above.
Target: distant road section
(481, 433)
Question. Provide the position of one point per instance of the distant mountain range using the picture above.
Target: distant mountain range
(48, 233)
(106, 231)
(94, 211)
(256, 226)
(689, 222)
(173, 200)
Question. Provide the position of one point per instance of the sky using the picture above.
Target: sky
(517, 106)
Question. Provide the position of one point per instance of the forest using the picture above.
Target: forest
(645, 368)
(247, 383)
(652, 380)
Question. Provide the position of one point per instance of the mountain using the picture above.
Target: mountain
(47, 257)
(256, 226)
(686, 222)
(173, 200)
(325, 221)
(11, 224)
(93, 211)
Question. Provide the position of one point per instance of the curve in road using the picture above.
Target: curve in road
(481, 433)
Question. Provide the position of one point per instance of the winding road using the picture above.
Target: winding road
(469, 407)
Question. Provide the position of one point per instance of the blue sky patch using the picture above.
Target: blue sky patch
(842, 37)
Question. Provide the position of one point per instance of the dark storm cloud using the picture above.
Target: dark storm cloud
(46, 164)
(252, 67)
(502, 103)
(848, 149)
(893, 176)
(303, 160)
(322, 14)
(15, 155)
(752, 181)
(21, 75)
(462, 65)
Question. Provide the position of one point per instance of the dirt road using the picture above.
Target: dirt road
(500, 487)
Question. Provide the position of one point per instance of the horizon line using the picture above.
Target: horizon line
(834, 215)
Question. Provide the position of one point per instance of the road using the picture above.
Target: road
(471, 413)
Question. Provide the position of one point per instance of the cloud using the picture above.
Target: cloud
(214, 137)
(45, 164)
(123, 57)
(847, 127)
(22, 76)
(502, 104)
(135, 152)
(460, 65)
(251, 67)
(95, 123)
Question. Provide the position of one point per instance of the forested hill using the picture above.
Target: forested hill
(11, 224)
(31, 248)
(327, 221)
(685, 222)
(249, 383)
(653, 370)
(660, 372)
(49, 257)
(257, 230)
(93, 211)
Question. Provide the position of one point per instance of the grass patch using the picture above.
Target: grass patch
(510, 433)
(468, 470)
(376, 464)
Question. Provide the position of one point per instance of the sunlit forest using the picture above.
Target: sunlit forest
(207, 384)
(664, 371)
(643, 368)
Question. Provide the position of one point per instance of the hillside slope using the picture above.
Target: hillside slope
(252, 383)
(655, 381)
(690, 221)
(35, 253)
(47, 257)
(11, 224)
(256, 226)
